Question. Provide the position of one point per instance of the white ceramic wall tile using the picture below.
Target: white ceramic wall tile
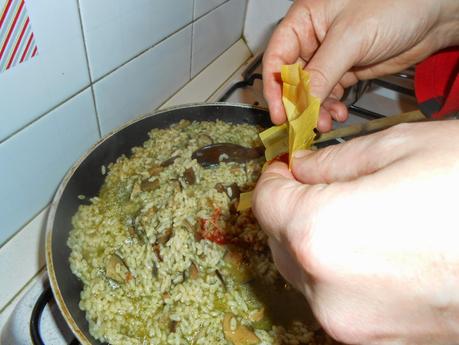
(261, 19)
(117, 30)
(203, 6)
(144, 83)
(33, 161)
(30, 89)
(215, 32)
(212, 77)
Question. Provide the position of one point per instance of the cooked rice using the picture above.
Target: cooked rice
(150, 275)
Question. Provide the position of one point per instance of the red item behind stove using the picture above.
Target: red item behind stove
(437, 83)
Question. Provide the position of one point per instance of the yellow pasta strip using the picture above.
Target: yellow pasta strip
(301, 107)
(275, 140)
(302, 110)
(245, 201)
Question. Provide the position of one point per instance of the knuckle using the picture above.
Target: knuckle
(319, 79)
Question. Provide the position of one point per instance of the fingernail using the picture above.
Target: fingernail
(301, 154)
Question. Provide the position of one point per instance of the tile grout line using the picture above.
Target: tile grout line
(89, 71)
(211, 10)
(246, 10)
(192, 39)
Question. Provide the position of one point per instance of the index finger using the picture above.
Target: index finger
(293, 41)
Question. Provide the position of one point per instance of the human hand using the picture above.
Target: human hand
(342, 41)
(368, 232)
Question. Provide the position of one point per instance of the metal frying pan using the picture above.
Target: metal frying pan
(85, 178)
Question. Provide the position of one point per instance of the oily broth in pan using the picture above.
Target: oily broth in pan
(164, 256)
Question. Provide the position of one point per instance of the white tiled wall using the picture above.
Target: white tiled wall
(101, 63)
(261, 19)
(161, 71)
(36, 158)
(116, 31)
(59, 71)
(215, 32)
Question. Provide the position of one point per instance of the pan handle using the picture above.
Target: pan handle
(35, 318)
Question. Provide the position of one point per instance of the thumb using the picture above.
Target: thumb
(336, 55)
(274, 199)
(349, 160)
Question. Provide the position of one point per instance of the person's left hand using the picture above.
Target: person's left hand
(368, 231)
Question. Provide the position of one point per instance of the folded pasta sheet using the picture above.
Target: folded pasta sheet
(302, 110)
(301, 107)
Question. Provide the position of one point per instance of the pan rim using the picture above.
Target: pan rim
(63, 184)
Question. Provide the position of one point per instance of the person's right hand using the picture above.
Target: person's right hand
(342, 41)
(367, 230)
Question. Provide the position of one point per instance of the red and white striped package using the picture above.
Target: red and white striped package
(17, 41)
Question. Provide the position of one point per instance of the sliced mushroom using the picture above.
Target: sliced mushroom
(132, 232)
(219, 187)
(193, 271)
(157, 251)
(155, 170)
(237, 333)
(173, 326)
(189, 176)
(116, 269)
(149, 186)
(164, 238)
(169, 161)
